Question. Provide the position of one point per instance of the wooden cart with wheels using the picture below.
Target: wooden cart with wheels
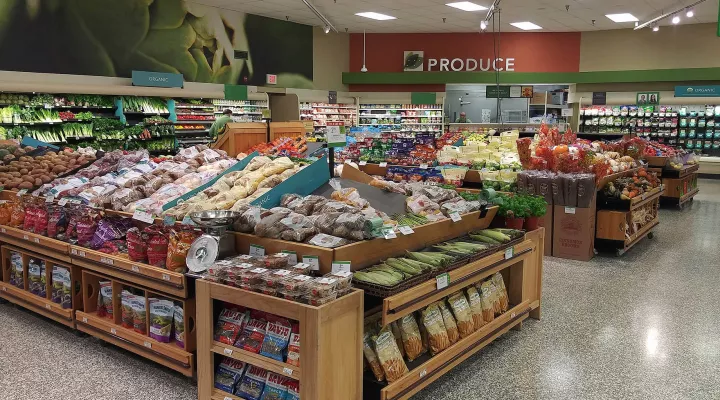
(621, 224)
(681, 186)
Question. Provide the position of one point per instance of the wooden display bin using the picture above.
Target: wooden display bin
(41, 305)
(521, 269)
(46, 246)
(615, 216)
(680, 186)
(286, 129)
(239, 137)
(171, 355)
(331, 360)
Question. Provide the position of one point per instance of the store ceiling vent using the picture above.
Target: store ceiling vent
(241, 55)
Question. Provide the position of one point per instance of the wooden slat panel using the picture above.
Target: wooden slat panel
(269, 364)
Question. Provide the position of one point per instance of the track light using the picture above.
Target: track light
(483, 25)
(690, 13)
(676, 19)
(656, 28)
(326, 29)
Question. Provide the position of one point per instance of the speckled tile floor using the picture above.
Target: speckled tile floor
(643, 326)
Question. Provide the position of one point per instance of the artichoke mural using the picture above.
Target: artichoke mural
(114, 37)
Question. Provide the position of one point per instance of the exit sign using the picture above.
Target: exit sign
(271, 79)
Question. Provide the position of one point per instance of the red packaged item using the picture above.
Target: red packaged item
(137, 245)
(17, 216)
(30, 216)
(179, 244)
(229, 325)
(293, 357)
(252, 337)
(86, 226)
(5, 211)
(41, 220)
(71, 231)
(157, 245)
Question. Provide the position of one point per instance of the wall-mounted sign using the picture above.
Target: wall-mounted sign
(470, 64)
(648, 98)
(332, 97)
(157, 79)
(271, 79)
(697, 91)
(413, 60)
(495, 92)
(599, 98)
(515, 91)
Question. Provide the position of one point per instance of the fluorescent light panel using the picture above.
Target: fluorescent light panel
(624, 17)
(467, 6)
(526, 26)
(374, 15)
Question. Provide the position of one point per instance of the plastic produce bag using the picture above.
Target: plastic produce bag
(437, 334)
(463, 315)
(389, 356)
(412, 341)
(475, 307)
(328, 241)
(345, 225)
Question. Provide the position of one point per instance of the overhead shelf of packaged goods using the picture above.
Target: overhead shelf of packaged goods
(400, 109)
(191, 106)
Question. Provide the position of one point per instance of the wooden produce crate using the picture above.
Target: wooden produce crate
(121, 267)
(366, 253)
(286, 129)
(616, 216)
(239, 137)
(331, 359)
(681, 189)
(656, 161)
(39, 244)
(171, 355)
(521, 269)
(41, 305)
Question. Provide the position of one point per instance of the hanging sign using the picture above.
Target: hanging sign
(599, 98)
(157, 79)
(697, 91)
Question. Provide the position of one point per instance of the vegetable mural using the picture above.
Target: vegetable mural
(113, 38)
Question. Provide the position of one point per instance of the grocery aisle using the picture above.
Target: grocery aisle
(637, 327)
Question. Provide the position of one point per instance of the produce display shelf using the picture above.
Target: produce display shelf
(243, 241)
(688, 196)
(32, 123)
(268, 363)
(40, 244)
(656, 161)
(185, 131)
(632, 204)
(644, 231)
(610, 178)
(423, 374)
(196, 121)
(401, 109)
(376, 169)
(207, 114)
(37, 304)
(330, 341)
(161, 279)
(423, 294)
(682, 173)
(167, 354)
(182, 106)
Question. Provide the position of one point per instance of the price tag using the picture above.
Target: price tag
(363, 163)
(26, 237)
(21, 192)
(81, 253)
(48, 306)
(383, 164)
(188, 221)
(85, 320)
(257, 250)
(292, 257)
(423, 166)
(227, 398)
(113, 331)
(73, 251)
(442, 281)
(338, 266)
(135, 268)
(228, 352)
(36, 240)
(312, 261)
(165, 277)
(455, 217)
(406, 230)
(569, 210)
(106, 260)
(169, 220)
(143, 216)
(423, 373)
(389, 233)
(512, 315)
(287, 370)
(4, 289)
(244, 257)
(148, 345)
(3, 230)
(509, 252)
(49, 199)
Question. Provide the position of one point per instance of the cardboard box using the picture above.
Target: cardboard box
(574, 232)
(547, 223)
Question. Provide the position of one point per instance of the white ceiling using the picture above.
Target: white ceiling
(427, 15)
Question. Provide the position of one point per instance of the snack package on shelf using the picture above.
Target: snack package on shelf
(437, 334)
(462, 312)
(229, 325)
(161, 319)
(253, 383)
(17, 272)
(228, 374)
(105, 300)
(449, 321)
(412, 341)
(253, 334)
(389, 356)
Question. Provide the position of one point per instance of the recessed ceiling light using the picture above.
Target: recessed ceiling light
(526, 26)
(690, 13)
(624, 17)
(374, 15)
(467, 6)
(676, 20)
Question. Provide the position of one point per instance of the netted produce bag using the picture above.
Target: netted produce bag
(257, 163)
(336, 206)
(345, 225)
(277, 166)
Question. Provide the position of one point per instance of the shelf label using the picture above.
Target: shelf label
(106, 260)
(389, 233)
(143, 216)
(3, 230)
(48, 306)
(363, 163)
(113, 331)
(26, 237)
(165, 277)
(4, 289)
(339, 266)
(423, 373)
(81, 253)
(49, 199)
(442, 281)
(509, 252)
(21, 192)
(423, 166)
(148, 345)
(292, 257)
(227, 398)
(512, 315)
(36, 240)
(85, 320)
(169, 220)
(406, 230)
(569, 210)
(383, 164)
(256, 250)
(287, 370)
(455, 217)
(228, 352)
(135, 268)
(73, 251)
(312, 261)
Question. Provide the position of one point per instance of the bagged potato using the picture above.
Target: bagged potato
(475, 307)
(277, 166)
(412, 341)
(389, 356)
(463, 316)
(449, 321)
(437, 335)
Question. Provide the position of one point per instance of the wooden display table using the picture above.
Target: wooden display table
(239, 137)
(286, 129)
(331, 359)
(616, 219)
(681, 186)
